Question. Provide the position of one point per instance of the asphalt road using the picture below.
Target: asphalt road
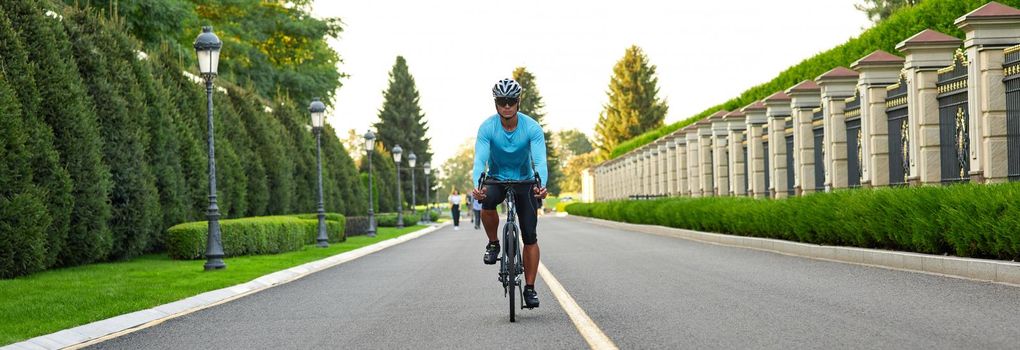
(642, 290)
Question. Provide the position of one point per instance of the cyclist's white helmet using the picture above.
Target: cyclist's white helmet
(507, 88)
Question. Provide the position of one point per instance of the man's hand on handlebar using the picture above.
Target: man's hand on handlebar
(541, 192)
(479, 193)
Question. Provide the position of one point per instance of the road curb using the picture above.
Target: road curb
(95, 332)
(1004, 272)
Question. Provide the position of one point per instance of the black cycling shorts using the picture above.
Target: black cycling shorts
(524, 198)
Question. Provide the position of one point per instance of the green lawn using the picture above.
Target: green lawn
(51, 301)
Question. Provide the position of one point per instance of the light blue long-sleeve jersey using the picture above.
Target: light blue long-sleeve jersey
(510, 155)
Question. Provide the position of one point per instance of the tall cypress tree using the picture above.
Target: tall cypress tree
(266, 133)
(256, 196)
(401, 122)
(188, 101)
(47, 172)
(634, 106)
(163, 150)
(532, 105)
(300, 146)
(113, 88)
(24, 219)
(384, 179)
(75, 129)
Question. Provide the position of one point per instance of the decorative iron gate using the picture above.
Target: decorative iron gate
(954, 124)
(789, 158)
(853, 141)
(819, 153)
(1011, 71)
(899, 133)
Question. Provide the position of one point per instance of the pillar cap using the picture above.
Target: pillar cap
(807, 86)
(929, 38)
(878, 58)
(990, 11)
(777, 97)
(838, 73)
(754, 106)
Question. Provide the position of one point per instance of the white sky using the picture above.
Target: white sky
(706, 52)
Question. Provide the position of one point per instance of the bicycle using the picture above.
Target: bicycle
(511, 266)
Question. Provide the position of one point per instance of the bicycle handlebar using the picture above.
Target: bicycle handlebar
(484, 180)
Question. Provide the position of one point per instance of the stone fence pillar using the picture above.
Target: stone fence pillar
(693, 161)
(836, 85)
(988, 31)
(777, 110)
(755, 120)
(804, 98)
(878, 70)
(720, 156)
(926, 52)
(735, 127)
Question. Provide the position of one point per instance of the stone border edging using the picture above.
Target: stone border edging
(1004, 272)
(95, 332)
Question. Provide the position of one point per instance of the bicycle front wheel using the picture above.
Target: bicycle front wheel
(510, 244)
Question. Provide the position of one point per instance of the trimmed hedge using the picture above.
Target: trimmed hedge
(390, 219)
(964, 220)
(251, 236)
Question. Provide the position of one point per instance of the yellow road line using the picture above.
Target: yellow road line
(589, 330)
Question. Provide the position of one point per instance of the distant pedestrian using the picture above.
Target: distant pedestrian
(455, 208)
(476, 209)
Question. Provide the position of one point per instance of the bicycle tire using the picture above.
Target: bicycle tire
(511, 256)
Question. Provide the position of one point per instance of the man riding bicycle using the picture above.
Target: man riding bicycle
(512, 145)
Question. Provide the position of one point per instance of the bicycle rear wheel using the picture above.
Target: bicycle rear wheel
(510, 244)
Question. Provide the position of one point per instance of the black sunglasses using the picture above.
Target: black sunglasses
(506, 101)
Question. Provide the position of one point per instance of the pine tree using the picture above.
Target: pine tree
(134, 197)
(47, 172)
(75, 129)
(634, 106)
(532, 105)
(401, 122)
(24, 219)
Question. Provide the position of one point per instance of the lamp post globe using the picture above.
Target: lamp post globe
(207, 49)
(400, 208)
(318, 111)
(370, 147)
(428, 203)
(411, 160)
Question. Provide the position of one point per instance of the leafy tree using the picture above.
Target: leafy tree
(75, 129)
(134, 197)
(276, 46)
(456, 171)
(879, 10)
(572, 172)
(570, 143)
(532, 105)
(401, 122)
(634, 106)
(23, 217)
(47, 173)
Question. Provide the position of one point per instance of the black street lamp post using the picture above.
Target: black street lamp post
(411, 159)
(428, 203)
(318, 109)
(370, 146)
(400, 208)
(207, 48)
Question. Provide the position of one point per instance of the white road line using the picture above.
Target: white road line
(588, 329)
